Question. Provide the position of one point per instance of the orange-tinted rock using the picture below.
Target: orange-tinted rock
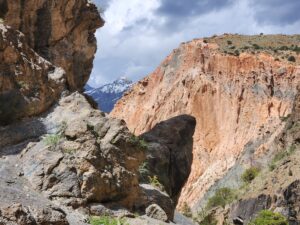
(29, 84)
(60, 31)
(235, 99)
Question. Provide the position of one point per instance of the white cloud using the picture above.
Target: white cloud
(135, 39)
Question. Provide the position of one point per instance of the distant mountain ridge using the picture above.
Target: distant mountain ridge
(107, 95)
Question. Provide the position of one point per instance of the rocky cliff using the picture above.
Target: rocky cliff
(61, 160)
(62, 32)
(240, 89)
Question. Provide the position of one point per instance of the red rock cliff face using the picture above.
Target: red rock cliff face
(235, 99)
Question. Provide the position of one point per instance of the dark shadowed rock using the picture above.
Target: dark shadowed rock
(169, 155)
(292, 202)
(245, 210)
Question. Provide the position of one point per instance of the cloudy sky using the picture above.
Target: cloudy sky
(139, 34)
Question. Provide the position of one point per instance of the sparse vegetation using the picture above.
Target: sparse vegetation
(266, 217)
(249, 175)
(292, 58)
(256, 46)
(236, 53)
(106, 220)
(52, 139)
(279, 46)
(208, 220)
(186, 210)
(281, 155)
(222, 197)
(139, 142)
(155, 182)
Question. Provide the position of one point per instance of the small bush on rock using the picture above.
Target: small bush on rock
(139, 141)
(249, 175)
(52, 139)
(292, 58)
(155, 182)
(186, 210)
(106, 220)
(222, 197)
(266, 217)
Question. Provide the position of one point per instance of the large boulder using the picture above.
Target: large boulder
(169, 154)
(60, 31)
(88, 158)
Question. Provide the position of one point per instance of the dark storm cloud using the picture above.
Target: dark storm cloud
(178, 12)
(185, 8)
(276, 12)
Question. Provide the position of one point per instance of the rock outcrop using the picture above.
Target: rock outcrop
(240, 101)
(89, 158)
(62, 32)
(169, 153)
(29, 84)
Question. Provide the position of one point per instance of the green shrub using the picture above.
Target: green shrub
(141, 143)
(281, 155)
(106, 220)
(266, 217)
(229, 42)
(155, 182)
(283, 48)
(186, 210)
(292, 58)
(236, 53)
(249, 175)
(52, 139)
(222, 197)
(206, 219)
(256, 46)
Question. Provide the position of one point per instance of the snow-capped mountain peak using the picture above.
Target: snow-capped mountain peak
(107, 95)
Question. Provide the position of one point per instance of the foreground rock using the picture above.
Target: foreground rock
(61, 32)
(89, 158)
(87, 162)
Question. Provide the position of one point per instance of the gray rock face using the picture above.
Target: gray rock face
(156, 212)
(89, 159)
(169, 154)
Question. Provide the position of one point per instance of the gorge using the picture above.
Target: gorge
(219, 116)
